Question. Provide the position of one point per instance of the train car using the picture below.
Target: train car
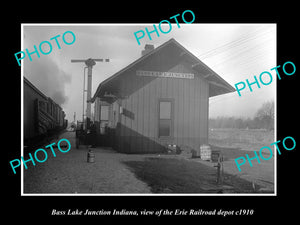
(42, 116)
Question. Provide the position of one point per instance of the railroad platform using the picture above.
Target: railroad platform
(70, 173)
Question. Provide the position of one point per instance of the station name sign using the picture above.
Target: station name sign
(164, 74)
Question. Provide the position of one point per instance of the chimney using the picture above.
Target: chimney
(148, 48)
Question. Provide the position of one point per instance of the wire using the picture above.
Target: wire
(240, 55)
(244, 61)
(245, 39)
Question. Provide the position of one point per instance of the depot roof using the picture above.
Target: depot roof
(217, 85)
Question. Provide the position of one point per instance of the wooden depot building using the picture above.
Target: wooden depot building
(159, 99)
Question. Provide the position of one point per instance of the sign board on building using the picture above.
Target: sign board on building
(164, 74)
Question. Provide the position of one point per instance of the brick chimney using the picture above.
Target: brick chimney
(148, 48)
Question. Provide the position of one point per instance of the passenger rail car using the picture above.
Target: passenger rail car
(42, 117)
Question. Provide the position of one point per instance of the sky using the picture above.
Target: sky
(236, 52)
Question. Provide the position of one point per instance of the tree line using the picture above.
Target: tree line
(263, 119)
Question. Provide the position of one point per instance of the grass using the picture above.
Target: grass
(234, 143)
(251, 140)
(169, 175)
(175, 175)
(233, 153)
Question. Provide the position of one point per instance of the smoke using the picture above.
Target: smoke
(46, 75)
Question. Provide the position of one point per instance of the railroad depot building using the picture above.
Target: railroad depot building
(159, 99)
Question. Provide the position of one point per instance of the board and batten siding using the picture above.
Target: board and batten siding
(139, 121)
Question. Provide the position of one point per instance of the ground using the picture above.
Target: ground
(234, 143)
(114, 172)
(70, 173)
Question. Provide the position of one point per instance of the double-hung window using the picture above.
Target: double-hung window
(104, 113)
(165, 123)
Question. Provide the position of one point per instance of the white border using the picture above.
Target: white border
(119, 194)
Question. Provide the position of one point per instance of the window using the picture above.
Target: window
(165, 118)
(42, 105)
(104, 109)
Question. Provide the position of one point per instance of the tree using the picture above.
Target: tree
(265, 115)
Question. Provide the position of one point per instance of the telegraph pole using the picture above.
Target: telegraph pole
(89, 63)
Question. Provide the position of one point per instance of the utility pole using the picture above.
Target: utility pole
(89, 63)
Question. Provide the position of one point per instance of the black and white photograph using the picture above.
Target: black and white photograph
(179, 114)
(150, 114)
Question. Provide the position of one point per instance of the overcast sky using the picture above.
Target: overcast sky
(235, 51)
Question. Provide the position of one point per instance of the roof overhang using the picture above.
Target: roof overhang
(217, 85)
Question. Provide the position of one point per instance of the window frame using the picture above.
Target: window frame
(171, 135)
(108, 109)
